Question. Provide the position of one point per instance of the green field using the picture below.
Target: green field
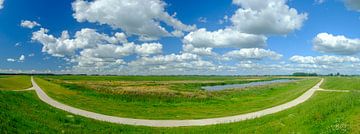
(14, 82)
(170, 104)
(342, 83)
(325, 112)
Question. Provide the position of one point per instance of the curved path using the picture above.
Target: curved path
(173, 123)
(29, 89)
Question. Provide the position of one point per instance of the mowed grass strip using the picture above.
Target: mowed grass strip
(341, 83)
(171, 106)
(14, 82)
(325, 112)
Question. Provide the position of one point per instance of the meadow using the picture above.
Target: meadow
(325, 112)
(342, 83)
(160, 100)
(9, 82)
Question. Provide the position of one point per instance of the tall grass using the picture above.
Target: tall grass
(176, 105)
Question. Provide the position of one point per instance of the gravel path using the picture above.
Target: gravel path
(173, 123)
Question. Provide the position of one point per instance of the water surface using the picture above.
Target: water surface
(245, 85)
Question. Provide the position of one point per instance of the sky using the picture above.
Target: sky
(173, 37)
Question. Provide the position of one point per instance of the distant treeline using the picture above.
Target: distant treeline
(294, 74)
(305, 74)
(315, 74)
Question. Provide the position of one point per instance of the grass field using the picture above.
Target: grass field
(14, 82)
(326, 112)
(342, 83)
(167, 103)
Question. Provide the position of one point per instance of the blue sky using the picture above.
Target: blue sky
(221, 36)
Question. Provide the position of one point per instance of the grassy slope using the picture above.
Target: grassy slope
(163, 107)
(15, 82)
(22, 112)
(147, 78)
(342, 83)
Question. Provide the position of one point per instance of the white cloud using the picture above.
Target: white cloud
(64, 46)
(90, 48)
(29, 24)
(10, 60)
(1, 4)
(328, 43)
(252, 54)
(226, 38)
(165, 59)
(20, 59)
(251, 24)
(135, 17)
(353, 5)
(269, 17)
(147, 49)
(177, 33)
(199, 51)
(104, 55)
(323, 60)
(184, 63)
(18, 44)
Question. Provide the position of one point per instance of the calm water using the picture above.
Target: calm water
(251, 84)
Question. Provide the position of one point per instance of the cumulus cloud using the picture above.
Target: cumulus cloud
(205, 51)
(328, 43)
(64, 46)
(135, 17)
(323, 60)
(353, 5)
(147, 49)
(20, 59)
(269, 17)
(89, 51)
(251, 24)
(224, 38)
(1, 4)
(165, 59)
(185, 63)
(90, 48)
(29, 24)
(252, 54)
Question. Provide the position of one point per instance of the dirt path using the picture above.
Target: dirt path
(173, 123)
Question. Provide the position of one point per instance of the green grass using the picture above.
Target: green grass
(147, 78)
(23, 112)
(199, 105)
(14, 82)
(326, 112)
(341, 83)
